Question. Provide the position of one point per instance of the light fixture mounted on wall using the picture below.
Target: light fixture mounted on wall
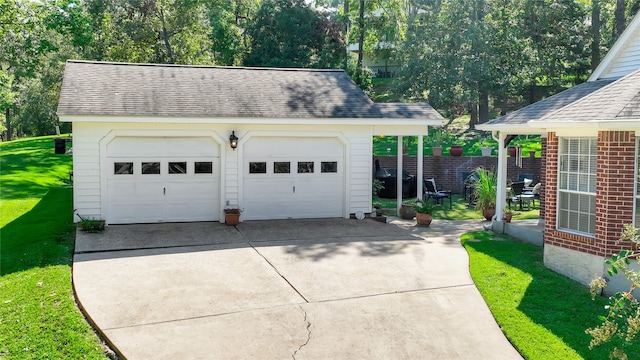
(233, 140)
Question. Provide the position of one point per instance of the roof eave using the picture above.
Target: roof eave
(516, 129)
(619, 124)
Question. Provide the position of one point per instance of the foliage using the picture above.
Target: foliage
(542, 313)
(621, 325)
(232, 211)
(485, 188)
(424, 207)
(288, 33)
(376, 186)
(40, 319)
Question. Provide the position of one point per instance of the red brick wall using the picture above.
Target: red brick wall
(614, 194)
(448, 170)
(543, 172)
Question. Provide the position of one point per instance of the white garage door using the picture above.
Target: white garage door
(162, 180)
(293, 178)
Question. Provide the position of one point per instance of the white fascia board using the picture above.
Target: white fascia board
(520, 129)
(616, 49)
(254, 121)
(607, 125)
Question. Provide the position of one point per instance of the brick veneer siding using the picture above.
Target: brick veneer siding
(448, 170)
(543, 175)
(614, 194)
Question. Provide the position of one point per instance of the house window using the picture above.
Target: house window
(636, 222)
(577, 184)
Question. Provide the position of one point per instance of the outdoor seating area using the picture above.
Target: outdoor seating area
(431, 191)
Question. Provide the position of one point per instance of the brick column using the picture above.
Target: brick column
(543, 176)
(614, 191)
(549, 184)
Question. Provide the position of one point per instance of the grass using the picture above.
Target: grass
(542, 313)
(39, 318)
(459, 210)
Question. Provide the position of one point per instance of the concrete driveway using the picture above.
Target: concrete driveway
(301, 289)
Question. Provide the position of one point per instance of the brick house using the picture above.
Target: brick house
(590, 186)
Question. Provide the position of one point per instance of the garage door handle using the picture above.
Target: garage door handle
(164, 191)
(294, 189)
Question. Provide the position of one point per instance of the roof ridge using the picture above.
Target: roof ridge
(253, 68)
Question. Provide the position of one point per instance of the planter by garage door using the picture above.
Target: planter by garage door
(293, 178)
(152, 179)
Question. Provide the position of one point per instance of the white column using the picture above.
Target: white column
(501, 197)
(419, 173)
(399, 175)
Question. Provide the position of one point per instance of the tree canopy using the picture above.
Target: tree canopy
(464, 56)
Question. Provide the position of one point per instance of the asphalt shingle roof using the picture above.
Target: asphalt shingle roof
(122, 89)
(549, 105)
(619, 100)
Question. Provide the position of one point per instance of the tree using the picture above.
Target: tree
(288, 33)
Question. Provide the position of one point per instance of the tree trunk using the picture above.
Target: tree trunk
(346, 33)
(533, 92)
(7, 119)
(595, 35)
(620, 18)
(165, 38)
(361, 35)
(483, 106)
(473, 111)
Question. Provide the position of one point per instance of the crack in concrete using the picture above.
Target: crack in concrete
(293, 356)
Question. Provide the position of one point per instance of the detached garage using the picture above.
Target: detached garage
(152, 143)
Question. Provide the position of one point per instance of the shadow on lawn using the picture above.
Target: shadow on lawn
(41, 237)
(544, 300)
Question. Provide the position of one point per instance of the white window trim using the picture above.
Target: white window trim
(560, 189)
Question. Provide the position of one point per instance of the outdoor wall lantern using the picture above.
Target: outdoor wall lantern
(233, 140)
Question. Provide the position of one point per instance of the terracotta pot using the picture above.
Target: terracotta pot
(486, 151)
(407, 212)
(512, 151)
(437, 151)
(423, 219)
(488, 213)
(456, 150)
(507, 217)
(231, 219)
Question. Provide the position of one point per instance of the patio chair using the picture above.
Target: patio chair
(535, 192)
(517, 189)
(431, 191)
(527, 178)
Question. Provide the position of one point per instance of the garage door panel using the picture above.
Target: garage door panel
(160, 194)
(270, 195)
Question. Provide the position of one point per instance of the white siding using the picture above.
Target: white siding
(627, 59)
(88, 154)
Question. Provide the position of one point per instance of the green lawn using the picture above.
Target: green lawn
(542, 313)
(459, 209)
(39, 318)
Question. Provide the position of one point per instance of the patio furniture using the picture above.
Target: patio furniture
(468, 179)
(518, 195)
(527, 178)
(535, 191)
(388, 177)
(431, 191)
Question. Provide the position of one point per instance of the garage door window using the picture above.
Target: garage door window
(257, 168)
(305, 167)
(123, 168)
(280, 167)
(177, 167)
(329, 167)
(150, 168)
(203, 167)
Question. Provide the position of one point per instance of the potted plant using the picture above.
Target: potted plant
(423, 210)
(485, 192)
(435, 142)
(507, 214)
(232, 216)
(407, 211)
(455, 150)
(486, 150)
